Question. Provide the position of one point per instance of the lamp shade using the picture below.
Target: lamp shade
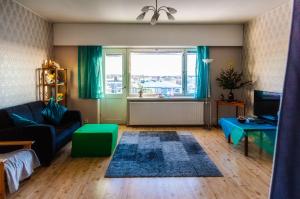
(141, 16)
(170, 17)
(171, 10)
(154, 18)
(146, 8)
(207, 61)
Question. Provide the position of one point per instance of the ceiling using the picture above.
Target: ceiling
(125, 11)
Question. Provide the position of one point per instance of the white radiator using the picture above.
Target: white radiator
(166, 113)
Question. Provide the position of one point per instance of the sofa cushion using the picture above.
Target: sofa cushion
(64, 133)
(21, 121)
(36, 110)
(21, 110)
(54, 112)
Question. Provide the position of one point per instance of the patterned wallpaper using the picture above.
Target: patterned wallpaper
(266, 46)
(266, 41)
(25, 41)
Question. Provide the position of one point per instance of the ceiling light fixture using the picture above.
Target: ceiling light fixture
(156, 13)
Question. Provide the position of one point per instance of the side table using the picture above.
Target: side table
(236, 104)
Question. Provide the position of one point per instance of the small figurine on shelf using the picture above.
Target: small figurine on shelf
(50, 78)
(45, 63)
(55, 64)
(60, 96)
(60, 78)
(50, 64)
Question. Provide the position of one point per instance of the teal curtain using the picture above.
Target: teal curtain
(202, 74)
(90, 84)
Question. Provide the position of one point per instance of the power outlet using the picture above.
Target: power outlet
(86, 121)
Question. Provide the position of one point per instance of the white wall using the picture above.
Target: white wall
(222, 57)
(147, 35)
(67, 57)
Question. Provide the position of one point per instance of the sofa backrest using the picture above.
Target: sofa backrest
(36, 110)
(30, 111)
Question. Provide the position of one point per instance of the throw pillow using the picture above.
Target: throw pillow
(54, 112)
(20, 121)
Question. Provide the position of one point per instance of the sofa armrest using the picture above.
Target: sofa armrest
(72, 116)
(44, 137)
(10, 134)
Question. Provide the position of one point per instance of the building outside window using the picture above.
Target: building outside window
(157, 73)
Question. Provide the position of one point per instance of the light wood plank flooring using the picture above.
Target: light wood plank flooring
(244, 177)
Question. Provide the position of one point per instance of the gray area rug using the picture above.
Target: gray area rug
(160, 154)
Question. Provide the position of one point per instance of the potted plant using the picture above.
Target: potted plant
(230, 80)
(141, 90)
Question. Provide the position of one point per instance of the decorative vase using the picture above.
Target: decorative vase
(230, 96)
(140, 93)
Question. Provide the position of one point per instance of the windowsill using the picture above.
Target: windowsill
(157, 98)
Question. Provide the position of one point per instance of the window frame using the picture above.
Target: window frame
(115, 51)
(126, 52)
(188, 51)
(184, 52)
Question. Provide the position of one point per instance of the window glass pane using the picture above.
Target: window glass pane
(113, 74)
(191, 69)
(158, 73)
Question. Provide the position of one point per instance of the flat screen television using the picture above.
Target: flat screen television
(266, 105)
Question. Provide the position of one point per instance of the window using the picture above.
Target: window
(191, 77)
(167, 72)
(113, 73)
(156, 73)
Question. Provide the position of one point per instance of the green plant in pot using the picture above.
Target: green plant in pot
(230, 80)
(141, 90)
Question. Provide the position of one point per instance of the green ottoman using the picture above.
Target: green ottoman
(94, 140)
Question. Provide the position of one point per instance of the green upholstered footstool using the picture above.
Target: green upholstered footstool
(94, 140)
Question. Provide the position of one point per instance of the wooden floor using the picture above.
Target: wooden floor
(244, 177)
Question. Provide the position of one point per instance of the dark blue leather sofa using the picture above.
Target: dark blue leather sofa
(48, 138)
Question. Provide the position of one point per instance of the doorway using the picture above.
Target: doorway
(113, 107)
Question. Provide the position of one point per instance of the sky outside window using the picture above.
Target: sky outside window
(157, 73)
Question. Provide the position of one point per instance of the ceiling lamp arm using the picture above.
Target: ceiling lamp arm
(152, 8)
(147, 8)
(169, 9)
(161, 8)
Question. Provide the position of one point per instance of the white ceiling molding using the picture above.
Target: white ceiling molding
(146, 35)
